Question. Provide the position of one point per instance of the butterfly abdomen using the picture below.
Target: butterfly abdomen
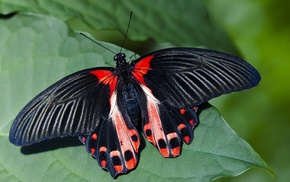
(128, 98)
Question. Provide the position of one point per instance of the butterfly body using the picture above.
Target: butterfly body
(159, 93)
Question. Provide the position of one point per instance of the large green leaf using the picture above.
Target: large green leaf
(35, 51)
(178, 23)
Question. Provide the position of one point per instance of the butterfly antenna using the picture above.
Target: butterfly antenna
(97, 42)
(126, 31)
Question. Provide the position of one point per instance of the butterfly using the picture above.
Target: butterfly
(159, 93)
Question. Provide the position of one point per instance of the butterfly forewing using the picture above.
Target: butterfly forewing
(70, 107)
(185, 77)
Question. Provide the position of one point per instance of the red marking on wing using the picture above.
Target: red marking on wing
(186, 139)
(148, 132)
(176, 150)
(136, 143)
(141, 68)
(154, 124)
(131, 163)
(92, 150)
(103, 163)
(181, 126)
(164, 152)
(84, 139)
(128, 138)
(103, 149)
(191, 122)
(182, 111)
(118, 167)
(94, 136)
(106, 77)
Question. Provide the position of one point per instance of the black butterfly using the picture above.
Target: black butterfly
(160, 92)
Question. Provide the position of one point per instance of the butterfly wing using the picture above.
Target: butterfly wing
(166, 126)
(70, 107)
(185, 76)
(177, 80)
(83, 104)
(115, 141)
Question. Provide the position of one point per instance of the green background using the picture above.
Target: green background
(261, 31)
(258, 31)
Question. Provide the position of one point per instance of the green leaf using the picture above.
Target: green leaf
(177, 23)
(35, 52)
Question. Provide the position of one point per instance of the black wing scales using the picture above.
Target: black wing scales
(72, 106)
(186, 77)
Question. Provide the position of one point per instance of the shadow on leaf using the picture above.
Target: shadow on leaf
(49, 145)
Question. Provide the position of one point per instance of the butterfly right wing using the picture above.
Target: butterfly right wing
(72, 106)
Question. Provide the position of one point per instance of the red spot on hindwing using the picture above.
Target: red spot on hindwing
(117, 166)
(141, 68)
(191, 122)
(94, 136)
(103, 163)
(103, 149)
(92, 150)
(148, 132)
(83, 139)
(181, 126)
(175, 150)
(102, 156)
(182, 111)
(128, 139)
(106, 77)
(186, 139)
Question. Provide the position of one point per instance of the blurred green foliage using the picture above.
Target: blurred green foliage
(261, 31)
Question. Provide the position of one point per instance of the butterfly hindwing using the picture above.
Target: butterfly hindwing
(115, 141)
(166, 127)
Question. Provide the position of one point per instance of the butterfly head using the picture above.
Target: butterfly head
(120, 59)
